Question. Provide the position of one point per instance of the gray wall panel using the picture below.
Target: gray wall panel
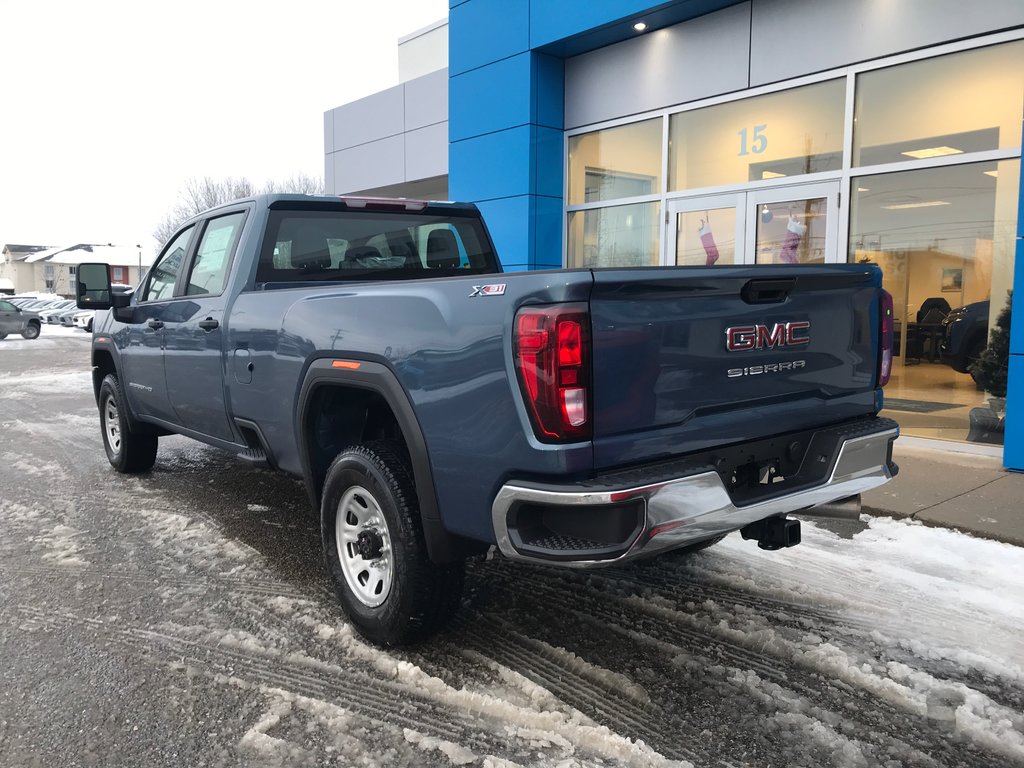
(790, 38)
(376, 116)
(689, 61)
(328, 131)
(373, 164)
(426, 100)
(426, 152)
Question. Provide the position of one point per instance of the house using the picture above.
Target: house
(54, 268)
(15, 272)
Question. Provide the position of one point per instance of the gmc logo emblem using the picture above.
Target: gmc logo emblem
(739, 338)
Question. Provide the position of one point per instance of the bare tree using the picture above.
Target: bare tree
(202, 194)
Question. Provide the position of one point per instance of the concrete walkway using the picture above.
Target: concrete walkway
(940, 486)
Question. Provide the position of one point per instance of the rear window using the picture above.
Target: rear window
(344, 245)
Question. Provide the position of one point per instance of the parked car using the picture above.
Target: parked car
(83, 319)
(67, 317)
(52, 315)
(965, 335)
(14, 319)
(439, 408)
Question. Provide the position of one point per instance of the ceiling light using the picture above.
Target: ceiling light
(640, 26)
(922, 154)
(771, 175)
(863, 189)
(903, 206)
(992, 173)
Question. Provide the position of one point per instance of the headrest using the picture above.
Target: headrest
(442, 250)
(310, 251)
(362, 256)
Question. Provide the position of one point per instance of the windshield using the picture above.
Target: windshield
(346, 245)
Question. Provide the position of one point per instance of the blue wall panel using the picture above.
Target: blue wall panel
(490, 166)
(1013, 436)
(481, 32)
(493, 108)
(508, 222)
(547, 236)
(547, 82)
(547, 149)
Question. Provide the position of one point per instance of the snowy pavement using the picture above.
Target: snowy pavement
(181, 618)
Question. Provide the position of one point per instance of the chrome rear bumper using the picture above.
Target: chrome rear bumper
(689, 509)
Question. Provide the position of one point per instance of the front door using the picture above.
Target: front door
(10, 318)
(795, 224)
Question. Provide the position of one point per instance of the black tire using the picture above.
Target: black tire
(3, 335)
(30, 331)
(127, 450)
(421, 597)
(88, 326)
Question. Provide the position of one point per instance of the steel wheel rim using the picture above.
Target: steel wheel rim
(359, 514)
(112, 425)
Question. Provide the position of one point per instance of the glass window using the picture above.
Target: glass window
(165, 272)
(963, 102)
(944, 238)
(791, 232)
(6, 306)
(788, 133)
(619, 236)
(616, 162)
(364, 245)
(210, 267)
(706, 238)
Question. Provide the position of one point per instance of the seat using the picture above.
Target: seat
(309, 251)
(361, 257)
(930, 306)
(442, 250)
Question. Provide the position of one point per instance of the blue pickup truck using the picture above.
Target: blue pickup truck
(440, 409)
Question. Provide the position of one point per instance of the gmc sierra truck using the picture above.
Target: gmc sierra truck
(438, 408)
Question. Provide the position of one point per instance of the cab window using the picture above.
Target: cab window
(209, 269)
(161, 278)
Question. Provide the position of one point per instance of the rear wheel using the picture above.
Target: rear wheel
(127, 450)
(375, 552)
(31, 331)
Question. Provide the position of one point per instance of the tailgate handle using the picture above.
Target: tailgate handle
(767, 291)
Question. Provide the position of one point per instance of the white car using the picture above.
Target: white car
(83, 320)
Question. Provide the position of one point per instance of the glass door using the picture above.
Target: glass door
(795, 224)
(704, 231)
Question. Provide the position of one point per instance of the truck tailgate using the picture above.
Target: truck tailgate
(686, 359)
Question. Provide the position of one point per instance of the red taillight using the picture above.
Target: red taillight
(885, 338)
(552, 353)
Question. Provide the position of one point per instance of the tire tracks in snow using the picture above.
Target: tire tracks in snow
(639, 618)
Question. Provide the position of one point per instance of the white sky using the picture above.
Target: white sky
(107, 108)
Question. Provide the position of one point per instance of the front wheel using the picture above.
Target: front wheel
(375, 551)
(31, 331)
(127, 450)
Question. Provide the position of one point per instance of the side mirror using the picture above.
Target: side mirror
(93, 290)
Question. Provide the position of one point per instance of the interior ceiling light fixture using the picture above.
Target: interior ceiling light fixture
(904, 206)
(863, 189)
(771, 175)
(922, 154)
(640, 26)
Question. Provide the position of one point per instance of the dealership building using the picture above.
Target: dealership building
(620, 133)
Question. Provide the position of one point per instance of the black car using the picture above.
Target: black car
(965, 335)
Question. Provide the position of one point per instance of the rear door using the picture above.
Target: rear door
(691, 358)
(194, 331)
